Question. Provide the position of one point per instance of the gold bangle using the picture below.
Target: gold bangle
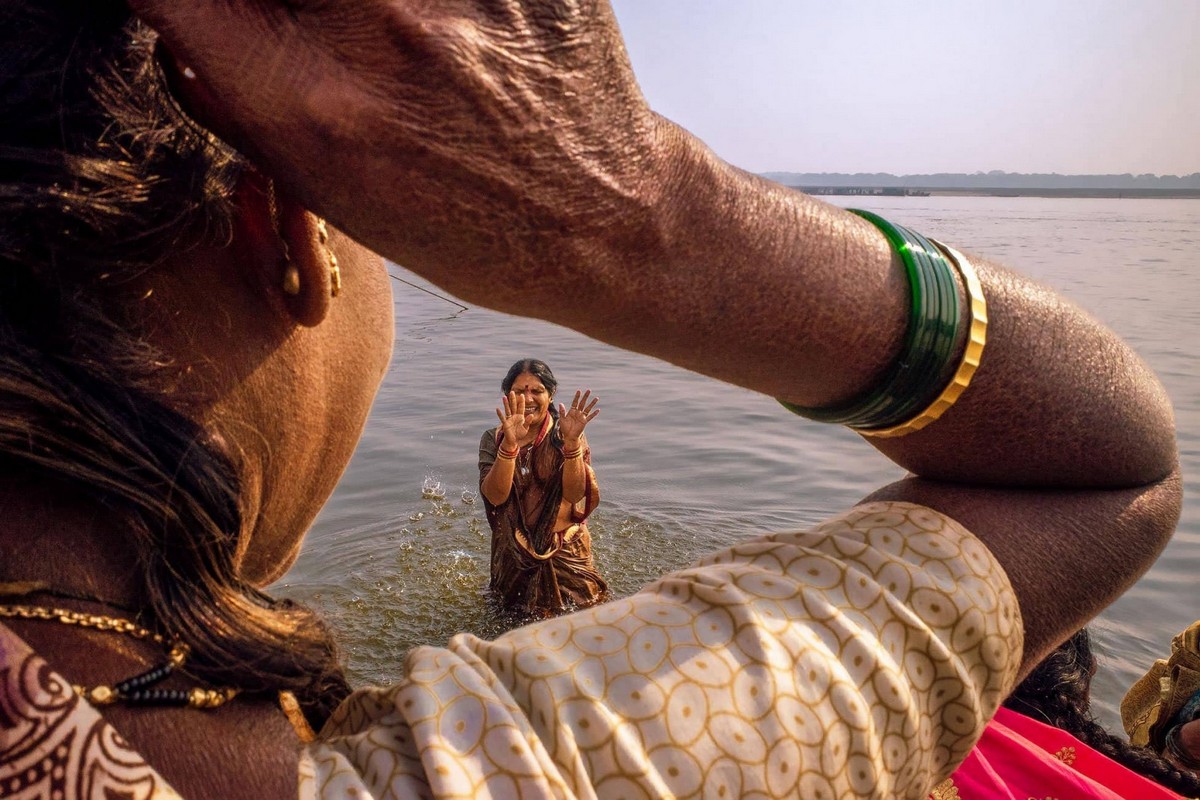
(503, 456)
(976, 339)
(578, 452)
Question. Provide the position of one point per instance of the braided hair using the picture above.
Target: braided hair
(1058, 692)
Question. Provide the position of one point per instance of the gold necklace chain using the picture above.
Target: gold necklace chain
(131, 691)
(96, 621)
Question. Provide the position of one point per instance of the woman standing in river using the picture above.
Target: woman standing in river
(538, 488)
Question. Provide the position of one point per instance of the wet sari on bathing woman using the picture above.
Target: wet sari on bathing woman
(541, 566)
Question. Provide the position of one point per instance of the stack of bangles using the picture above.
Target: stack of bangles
(925, 381)
(507, 455)
(570, 454)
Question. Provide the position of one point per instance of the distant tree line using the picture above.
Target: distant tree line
(996, 179)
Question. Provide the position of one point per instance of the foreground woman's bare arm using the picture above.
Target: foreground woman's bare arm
(504, 152)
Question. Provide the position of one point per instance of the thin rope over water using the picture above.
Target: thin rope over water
(427, 291)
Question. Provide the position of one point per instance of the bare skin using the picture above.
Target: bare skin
(258, 367)
(571, 423)
(569, 179)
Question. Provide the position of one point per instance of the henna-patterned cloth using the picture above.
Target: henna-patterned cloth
(522, 584)
(54, 746)
(860, 659)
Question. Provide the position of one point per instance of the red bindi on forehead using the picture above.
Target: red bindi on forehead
(528, 383)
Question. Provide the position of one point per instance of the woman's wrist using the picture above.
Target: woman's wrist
(606, 240)
(507, 449)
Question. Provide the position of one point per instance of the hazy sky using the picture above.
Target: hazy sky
(910, 86)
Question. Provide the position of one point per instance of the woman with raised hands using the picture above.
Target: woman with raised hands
(190, 353)
(538, 487)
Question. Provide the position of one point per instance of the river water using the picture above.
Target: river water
(399, 556)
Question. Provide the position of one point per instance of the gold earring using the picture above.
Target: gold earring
(291, 274)
(335, 272)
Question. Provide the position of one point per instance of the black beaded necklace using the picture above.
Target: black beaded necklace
(134, 691)
(525, 452)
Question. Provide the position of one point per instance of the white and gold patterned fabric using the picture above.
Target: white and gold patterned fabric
(860, 659)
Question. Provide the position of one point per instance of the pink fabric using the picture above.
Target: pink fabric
(1020, 758)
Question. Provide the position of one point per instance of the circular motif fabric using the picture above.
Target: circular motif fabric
(860, 658)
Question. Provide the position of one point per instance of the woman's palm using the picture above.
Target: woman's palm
(512, 417)
(583, 410)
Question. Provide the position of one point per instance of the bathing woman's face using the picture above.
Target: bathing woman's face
(537, 399)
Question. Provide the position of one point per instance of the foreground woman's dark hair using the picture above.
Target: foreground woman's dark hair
(101, 176)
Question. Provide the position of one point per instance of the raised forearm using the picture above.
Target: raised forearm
(738, 278)
(1059, 401)
(529, 175)
(497, 483)
(766, 288)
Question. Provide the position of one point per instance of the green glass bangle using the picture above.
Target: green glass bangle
(938, 343)
(926, 362)
(916, 367)
(930, 349)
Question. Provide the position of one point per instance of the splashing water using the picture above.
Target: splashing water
(432, 489)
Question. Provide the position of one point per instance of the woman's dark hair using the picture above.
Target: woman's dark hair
(541, 371)
(1058, 692)
(102, 177)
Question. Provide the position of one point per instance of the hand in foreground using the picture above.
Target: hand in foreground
(571, 422)
(512, 419)
(484, 126)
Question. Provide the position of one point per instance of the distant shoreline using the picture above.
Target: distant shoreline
(940, 191)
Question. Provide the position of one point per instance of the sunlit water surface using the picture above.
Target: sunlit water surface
(399, 556)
